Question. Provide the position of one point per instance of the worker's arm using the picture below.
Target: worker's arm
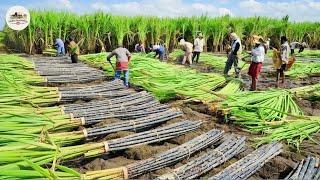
(110, 56)
(236, 49)
(128, 55)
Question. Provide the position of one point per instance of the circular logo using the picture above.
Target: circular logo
(18, 18)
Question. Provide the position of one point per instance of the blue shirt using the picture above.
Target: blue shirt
(161, 49)
(59, 43)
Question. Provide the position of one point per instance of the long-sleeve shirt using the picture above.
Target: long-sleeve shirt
(198, 45)
(122, 56)
(284, 52)
(59, 43)
(258, 54)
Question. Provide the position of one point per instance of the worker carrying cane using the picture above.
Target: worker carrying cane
(123, 57)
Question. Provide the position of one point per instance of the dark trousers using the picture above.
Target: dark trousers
(74, 58)
(196, 55)
(232, 60)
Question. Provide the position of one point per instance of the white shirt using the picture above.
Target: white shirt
(198, 45)
(258, 54)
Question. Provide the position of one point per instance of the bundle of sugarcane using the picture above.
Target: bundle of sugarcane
(12, 93)
(28, 123)
(294, 129)
(250, 164)
(252, 109)
(308, 169)
(34, 171)
(139, 124)
(42, 153)
(311, 92)
(49, 52)
(111, 89)
(63, 79)
(232, 87)
(132, 99)
(101, 116)
(160, 160)
(15, 62)
(230, 147)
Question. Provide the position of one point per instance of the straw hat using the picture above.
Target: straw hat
(233, 36)
(200, 35)
(258, 39)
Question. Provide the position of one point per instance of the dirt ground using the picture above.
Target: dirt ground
(277, 168)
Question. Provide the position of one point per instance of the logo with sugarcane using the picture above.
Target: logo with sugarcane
(18, 18)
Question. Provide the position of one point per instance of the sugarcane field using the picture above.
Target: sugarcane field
(164, 90)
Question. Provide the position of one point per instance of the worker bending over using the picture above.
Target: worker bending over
(297, 45)
(258, 54)
(234, 55)
(123, 57)
(187, 47)
(59, 44)
(139, 48)
(160, 50)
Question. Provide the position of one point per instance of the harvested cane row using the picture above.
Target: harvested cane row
(133, 125)
(250, 164)
(230, 147)
(160, 160)
(308, 169)
(62, 71)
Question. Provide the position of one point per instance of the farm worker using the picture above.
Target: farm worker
(198, 47)
(139, 48)
(297, 45)
(123, 57)
(258, 53)
(59, 44)
(187, 47)
(73, 50)
(160, 50)
(284, 57)
(234, 55)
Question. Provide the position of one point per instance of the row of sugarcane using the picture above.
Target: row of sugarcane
(307, 169)
(61, 70)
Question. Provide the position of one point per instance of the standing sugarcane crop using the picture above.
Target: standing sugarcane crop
(234, 55)
(284, 57)
(122, 64)
(187, 47)
(198, 47)
(258, 53)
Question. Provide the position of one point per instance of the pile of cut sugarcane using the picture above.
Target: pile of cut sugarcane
(165, 81)
(61, 70)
